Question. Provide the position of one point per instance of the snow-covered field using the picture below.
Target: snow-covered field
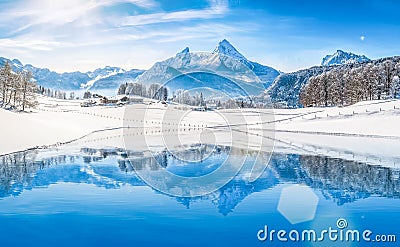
(366, 131)
(377, 118)
(54, 121)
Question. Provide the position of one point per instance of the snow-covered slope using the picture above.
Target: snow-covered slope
(184, 51)
(342, 57)
(99, 74)
(114, 79)
(266, 74)
(227, 49)
(285, 90)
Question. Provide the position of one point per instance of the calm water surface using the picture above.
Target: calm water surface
(96, 199)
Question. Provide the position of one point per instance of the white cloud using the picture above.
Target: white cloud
(140, 3)
(362, 37)
(30, 44)
(86, 13)
(60, 12)
(217, 9)
(83, 35)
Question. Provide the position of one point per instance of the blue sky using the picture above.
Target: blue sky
(70, 35)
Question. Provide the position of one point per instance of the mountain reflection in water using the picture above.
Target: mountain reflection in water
(340, 181)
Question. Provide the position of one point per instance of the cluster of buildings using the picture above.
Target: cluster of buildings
(118, 100)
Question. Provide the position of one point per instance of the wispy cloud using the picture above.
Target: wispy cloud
(30, 44)
(217, 9)
(140, 3)
(57, 13)
(89, 31)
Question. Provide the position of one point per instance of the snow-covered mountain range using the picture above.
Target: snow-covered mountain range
(111, 77)
(216, 70)
(102, 78)
(341, 57)
(225, 59)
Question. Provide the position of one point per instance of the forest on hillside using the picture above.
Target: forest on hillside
(346, 85)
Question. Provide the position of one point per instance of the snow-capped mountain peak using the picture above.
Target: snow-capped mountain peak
(342, 57)
(184, 51)
(111, 77)
(227, 49)
(17, 63)
(225, 59)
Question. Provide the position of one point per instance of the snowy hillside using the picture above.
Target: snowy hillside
(342, 57)
(99, 74)
(286, 88)
(114, 80)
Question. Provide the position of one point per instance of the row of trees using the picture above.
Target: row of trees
(17, 90)
(58, 94)
(184, 97)
(155, 90)
(181, 96)
(349, 85)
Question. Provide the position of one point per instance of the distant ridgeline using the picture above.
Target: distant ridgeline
(102, 78)
(343, 78)
(338, 84)
(112, 77)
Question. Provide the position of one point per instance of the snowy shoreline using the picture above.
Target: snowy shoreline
(59, 122)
